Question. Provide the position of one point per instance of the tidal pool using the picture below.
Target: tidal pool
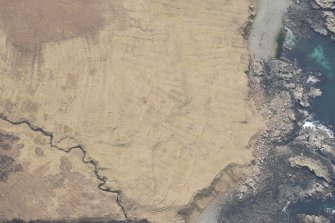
(310, 207)
(316, 53)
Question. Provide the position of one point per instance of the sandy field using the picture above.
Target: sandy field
(154, 91)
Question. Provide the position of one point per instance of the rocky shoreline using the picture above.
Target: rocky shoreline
(294, 157)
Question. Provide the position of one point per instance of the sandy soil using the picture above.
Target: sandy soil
(266, 27)
(155, 91)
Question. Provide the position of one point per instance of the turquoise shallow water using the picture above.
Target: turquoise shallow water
(316, 53)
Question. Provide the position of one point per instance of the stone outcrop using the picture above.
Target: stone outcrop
(311, 219)
(326, 4)
(313, 165)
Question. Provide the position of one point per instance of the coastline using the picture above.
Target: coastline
(294, 158)
(284, 157)
(259, 11)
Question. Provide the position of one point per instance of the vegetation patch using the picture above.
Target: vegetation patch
(280, 42)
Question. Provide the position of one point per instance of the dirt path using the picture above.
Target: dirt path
(268, 22)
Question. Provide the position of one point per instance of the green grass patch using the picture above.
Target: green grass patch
(280, 42)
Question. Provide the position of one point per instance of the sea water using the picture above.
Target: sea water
(311, 207)
(316, 53)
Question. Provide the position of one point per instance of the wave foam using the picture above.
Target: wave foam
(317, 126)
(312, 80)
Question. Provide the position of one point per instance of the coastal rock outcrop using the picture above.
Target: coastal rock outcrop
(330, 21)
(326, 4)
(313, 165)
(311, 219)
